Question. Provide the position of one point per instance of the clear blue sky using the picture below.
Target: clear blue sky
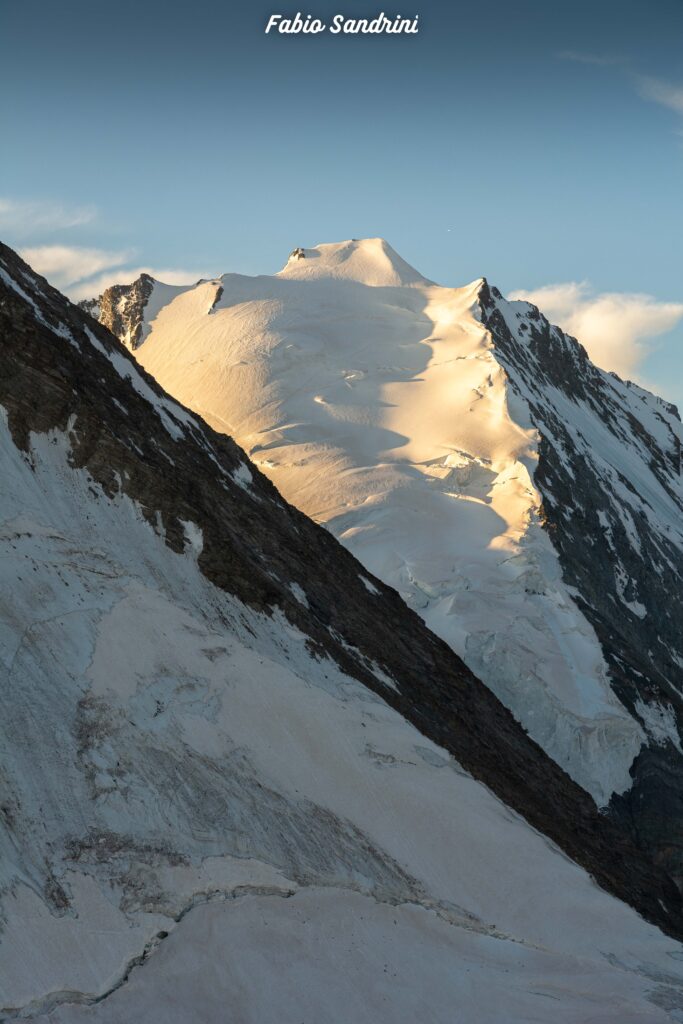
(533, 143)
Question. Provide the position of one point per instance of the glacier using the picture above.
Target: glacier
(383, 406)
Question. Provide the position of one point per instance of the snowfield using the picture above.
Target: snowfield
(378, 404)
(269, 841)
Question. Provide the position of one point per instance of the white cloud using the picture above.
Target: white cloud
(85, 273)
(598, 59)
(648, 86)
(25, 217)
(80, 271)
(661, 92)
(65, 264)
(95, 286)
(616, 328)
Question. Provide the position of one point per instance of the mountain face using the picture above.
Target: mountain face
(125, 309)
(609, 473)
(525, 503)
(237, 770)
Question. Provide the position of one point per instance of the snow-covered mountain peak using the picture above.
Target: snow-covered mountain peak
(370, 261)
(471, 455)
(387, 414)
(230, 753)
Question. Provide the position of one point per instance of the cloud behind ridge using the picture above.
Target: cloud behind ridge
(616, 328)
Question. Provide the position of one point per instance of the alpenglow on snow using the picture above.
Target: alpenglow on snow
(525, 503)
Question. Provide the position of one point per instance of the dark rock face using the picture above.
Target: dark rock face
(613, 508)
(121, 309)
(255, 545)
(91, 306)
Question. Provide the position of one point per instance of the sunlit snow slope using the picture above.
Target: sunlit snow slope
(213, 803)
(382, 405)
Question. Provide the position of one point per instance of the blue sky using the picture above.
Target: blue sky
(534, 143)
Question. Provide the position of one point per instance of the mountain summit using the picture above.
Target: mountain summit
(525, 503)
(370, 261)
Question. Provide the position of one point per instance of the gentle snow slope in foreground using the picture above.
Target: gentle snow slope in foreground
(378, 404)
